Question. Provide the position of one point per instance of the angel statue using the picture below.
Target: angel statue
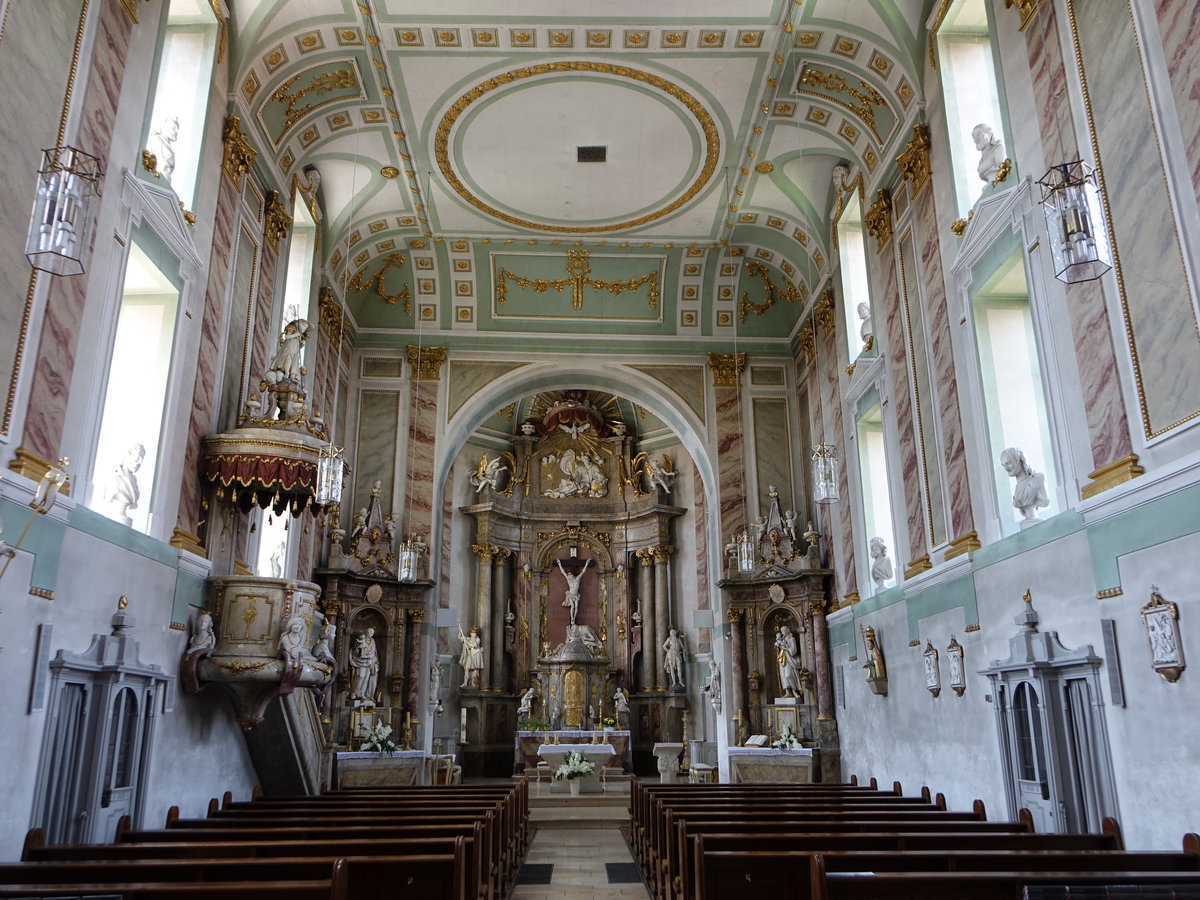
(661, 473)
(487, 473)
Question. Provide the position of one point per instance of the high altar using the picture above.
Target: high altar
(572, 542)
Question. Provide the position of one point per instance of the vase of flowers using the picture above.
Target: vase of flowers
(787, 740)
(608, 723)
(379, 740)
(574, 767)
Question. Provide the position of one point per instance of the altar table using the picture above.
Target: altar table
(597, 754)
(766, 764)
(381, 769)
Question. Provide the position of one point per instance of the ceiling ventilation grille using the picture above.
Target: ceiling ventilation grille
(592, 154)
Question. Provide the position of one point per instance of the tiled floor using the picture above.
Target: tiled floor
(579, 857)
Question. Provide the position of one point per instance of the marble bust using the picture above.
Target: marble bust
(1029, 487)
(881, 564)
(991, 151)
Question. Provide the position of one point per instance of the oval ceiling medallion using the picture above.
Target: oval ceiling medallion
(663, 147)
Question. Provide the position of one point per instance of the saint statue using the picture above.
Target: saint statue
(572, 598)
(286, 364)
(661, 474)
(673, 651)
(471, 657)
(713, 688)
(525, 710)
(364, 669)
(874, 665)
(787, 656)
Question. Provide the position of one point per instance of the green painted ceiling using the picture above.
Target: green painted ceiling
(722, 121)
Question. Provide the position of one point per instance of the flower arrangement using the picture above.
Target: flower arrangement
(609, 722)
(787, 740)
(576, 765)
(379, 740)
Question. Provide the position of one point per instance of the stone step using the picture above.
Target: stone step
(546, 800)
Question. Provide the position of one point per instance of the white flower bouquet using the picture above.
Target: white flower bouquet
(787, 740)
(379, 740)
(576, 765)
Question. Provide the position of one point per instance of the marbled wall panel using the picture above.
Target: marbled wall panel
(266, 330)
(843, 559)
(467, 378)
(773, 450)
(1179, 24)
(375, 451)
(952, 453)
(1108, 427)
(902, 413)
(234, 388)
(212, 335)
(731, 466)
(420, 441)
(1156, 294)
(55, 360)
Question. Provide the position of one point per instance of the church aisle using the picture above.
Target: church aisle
(570, 862)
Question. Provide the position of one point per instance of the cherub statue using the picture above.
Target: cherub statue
(661, 473)
(487, 473)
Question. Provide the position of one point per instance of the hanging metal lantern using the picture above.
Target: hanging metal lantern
(331, 467)
(61, 225)
(825, 471)
(411, 552)
(1075, 216)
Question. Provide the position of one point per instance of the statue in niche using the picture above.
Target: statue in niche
(881, 564)
(471, 657)
(787, 655)
(991, 151)
(1029, 489)
(875, 666)
(572, 598)
(661, 473)
(122, 492)
(620, 704)
(364, 669)
(673, 651)
(487, 474)
(435, 687)
(166, 136)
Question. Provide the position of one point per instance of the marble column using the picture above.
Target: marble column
(736, 701)
(484, 553)
(500, 587)
(416, 618)
(818, 606)
(662, 607)
(649, 633)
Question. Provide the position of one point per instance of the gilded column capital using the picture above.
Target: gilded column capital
(501, 553)
(878, 219)
(237, 155)
(823, 312)
(426, 362)
(485, 552)
(662, 552)
(727, 368)
(818, 606)
(332, 318)
(735, 614)
(914, 162)
(807, 339)
(417, 614)
(276, 221)
(645, 554)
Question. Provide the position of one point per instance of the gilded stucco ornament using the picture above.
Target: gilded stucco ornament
(237, 154)
(914, 162)
(878, 219)
(823, 312)
(726, 368)
(426, 362)
(788, 291)
(276, 221)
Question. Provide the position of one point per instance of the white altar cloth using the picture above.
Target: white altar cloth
(766, 764)
(597, 754)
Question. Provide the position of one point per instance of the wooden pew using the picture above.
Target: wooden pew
(493, 879)
(722, 873)
(332, 887)
(429, 867)
(999, 885)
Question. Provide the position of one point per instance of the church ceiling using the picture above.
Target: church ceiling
(449, 134)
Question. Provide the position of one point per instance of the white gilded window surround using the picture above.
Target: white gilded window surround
(1016, 214)
(155, 209)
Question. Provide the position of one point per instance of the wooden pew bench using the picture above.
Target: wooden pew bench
(722, 873)
(427, 867)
